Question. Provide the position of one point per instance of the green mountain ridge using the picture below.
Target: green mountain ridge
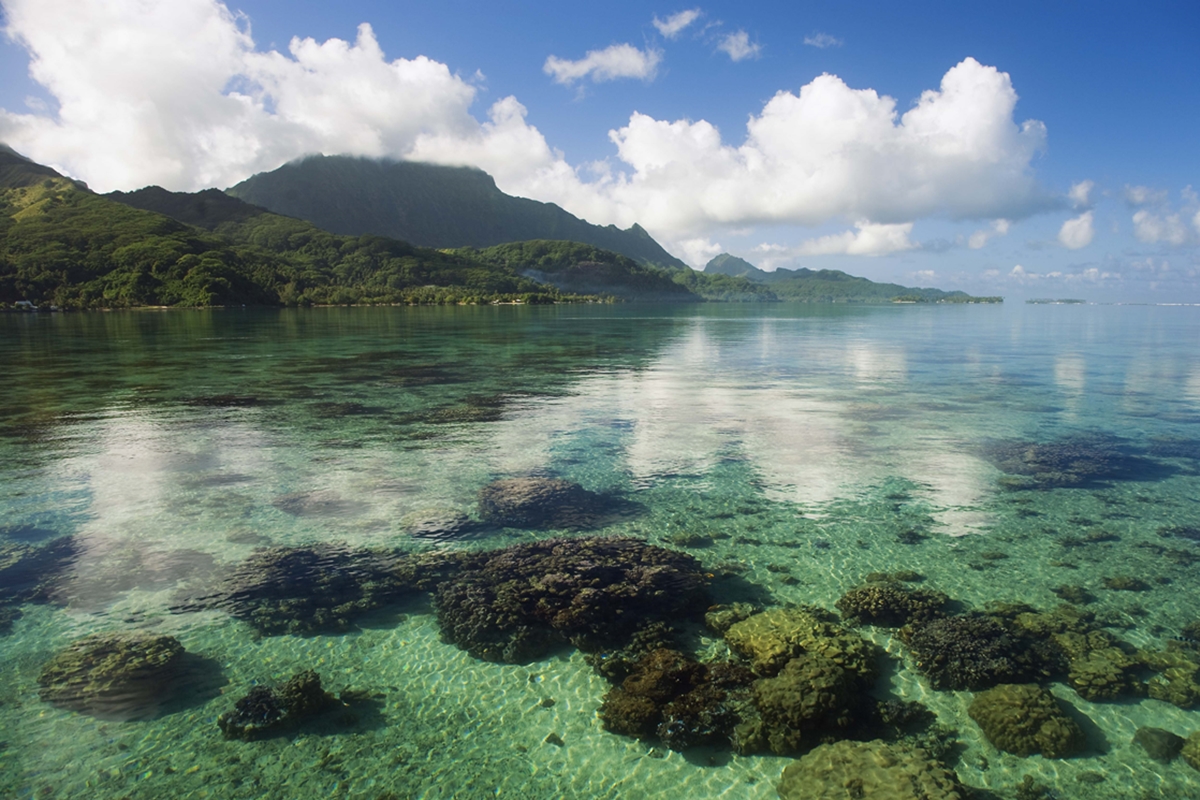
(63, 245)
(430, 205)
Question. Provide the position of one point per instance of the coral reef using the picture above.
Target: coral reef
(811, 697)
(516, 603)
(1078, 461)
(683, 702)
(1100, 666)
(890, 605)
(1025, 719)
(973, 651)
(314, 589)
(1191, 750)
(772, 638)
(265, 710)
(874, 770)
(28, 574)
(720, 618)
(1097, 664)
(1162, 746)
(1179, 680)
(119, 676)
(615, 664)
(539, 503)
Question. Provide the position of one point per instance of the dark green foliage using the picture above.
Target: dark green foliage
(64, 245)
(429, 205)
(723, 288)
(585, 269)
(61, 244)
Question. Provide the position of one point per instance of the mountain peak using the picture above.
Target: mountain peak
(429, 205)
(726, 264)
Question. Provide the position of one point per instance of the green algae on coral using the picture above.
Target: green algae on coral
(772, 638)
(1026, 719)
(874, 770)
(890, 605)
(811, 697)
(113, 675)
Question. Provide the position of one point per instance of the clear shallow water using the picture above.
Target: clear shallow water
(811, 445)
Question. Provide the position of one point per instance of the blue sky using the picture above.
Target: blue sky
(1084, 187)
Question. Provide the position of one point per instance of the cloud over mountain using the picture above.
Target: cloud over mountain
(176, 93)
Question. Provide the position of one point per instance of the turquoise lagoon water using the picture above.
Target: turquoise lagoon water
(800, 447)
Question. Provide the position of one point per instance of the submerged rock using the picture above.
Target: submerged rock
(264, 709)
(1077, 461)
(30, 573)
(440, 524)
(514, 604)
(875, 770)
(119, 676)
(1161, 745)
(307, 590)
(539, 503)
(1026, 719)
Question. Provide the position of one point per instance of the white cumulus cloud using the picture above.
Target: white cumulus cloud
(175, 92)
(1145, 195)
(738, 46)
(699, 251)
(979, 238)
(1077, 232)
(609, 64)
(868, 239)
(1153, 228)
(673, 25)
(822, 40)
(1080, 194)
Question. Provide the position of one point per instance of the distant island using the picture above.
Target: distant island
(831, 285)
(64, 246)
